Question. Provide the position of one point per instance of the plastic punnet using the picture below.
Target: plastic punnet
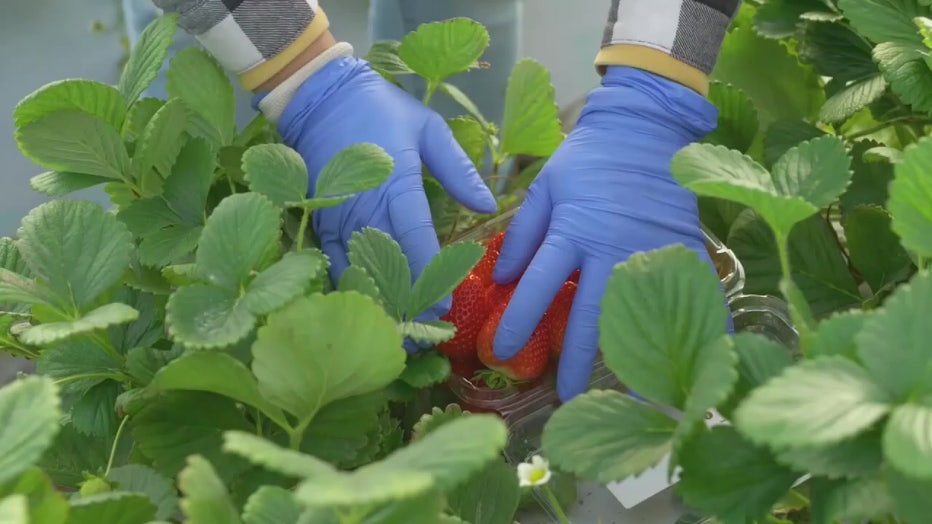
(522, 398)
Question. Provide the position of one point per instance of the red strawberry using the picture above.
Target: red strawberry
(559, 314)
(496, 243)
(468, 313)
(529, 363)
(465, 367)
(499, 293)
(484, 268)
(574, 276)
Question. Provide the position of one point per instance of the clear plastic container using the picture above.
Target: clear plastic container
(768, 316)
(523, 398)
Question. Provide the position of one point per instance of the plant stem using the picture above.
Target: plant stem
(119, 377)
(302, 229)
(908, 119)
(799, 308)
(431, 89)
(556, 504)
(116, 442)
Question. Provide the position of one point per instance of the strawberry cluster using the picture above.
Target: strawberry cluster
(478, 306)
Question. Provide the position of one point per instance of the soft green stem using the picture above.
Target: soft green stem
(556, 504)
(297, 433)
(119, 377)
(116, 442)
(922, 263)
(908, 119)
(431, 89)
(302, 229)
(798, 304)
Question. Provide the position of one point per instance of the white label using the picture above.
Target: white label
(635, 490)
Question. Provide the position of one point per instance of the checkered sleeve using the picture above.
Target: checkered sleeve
(253, 38)
(679, 39)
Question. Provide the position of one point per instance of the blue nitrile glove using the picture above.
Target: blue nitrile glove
(606, 194)
(347, 103)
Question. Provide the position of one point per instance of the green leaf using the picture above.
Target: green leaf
(785, 134)
(175, 425)
(780, 19)
(818, 402)
(75, 248)
(770, 75)
(29, 414)
(159, 145)
(431, 332)
(94, 413)
(836, 335)
(910, 194)
(870, 181)
(737, 117)
(884, 20)
(817, 263)
(355, 278)
(283, 281)
(904, 67)
(907, 440)
(276, 171)
(442, 458)
(205, 317)
(439, 50)
(17, 290)
(689, 363)
(101, 318)
(531, 125)
(75, 358)
(198, 80)
(143, 362)
(206, 500)
(890, 344)
(45, 503)
(74, 141)
(269, 455)
(725, 475)
(759, 360)
(14, 510)
(491, 497)
(383, 57)
(216, 372)
(852, 458)
(471, 135)
(147, 56)
(112, 508)
(54, 183)
(356, 169)
(271, 505)
(138, 117)
(910, 496)
(808, 177)
(461, 98)
(239, 234)
(607, 436)
(873, 247)
(94, 98)
(853, 98)
(297, 362)
(136, 478)
(441, 276)
(340, 429)
(835, 50)
(426, 370)
(382, 259)
(849, 500)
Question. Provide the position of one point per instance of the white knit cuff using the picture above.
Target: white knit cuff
(274, 104)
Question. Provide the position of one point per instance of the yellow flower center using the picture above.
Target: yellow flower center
(537, 475)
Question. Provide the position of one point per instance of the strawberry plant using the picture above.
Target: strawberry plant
(818, 177)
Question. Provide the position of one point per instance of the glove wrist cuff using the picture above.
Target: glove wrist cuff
(274, 104)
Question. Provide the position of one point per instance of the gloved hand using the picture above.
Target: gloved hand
(347, 103)
(605, 194)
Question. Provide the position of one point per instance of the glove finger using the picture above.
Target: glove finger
(449, 164)
(581, 343)
(333, 247)
(552, 264)
(524, 236)
(409, 213)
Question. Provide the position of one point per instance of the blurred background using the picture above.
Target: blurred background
(48, 40)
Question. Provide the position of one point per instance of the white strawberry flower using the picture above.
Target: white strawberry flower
(534, 473)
